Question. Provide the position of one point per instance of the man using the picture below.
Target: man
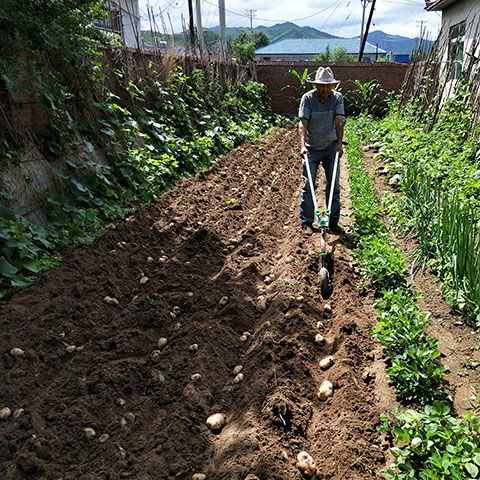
(321, 124)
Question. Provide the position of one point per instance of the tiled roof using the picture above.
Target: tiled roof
(312, 46)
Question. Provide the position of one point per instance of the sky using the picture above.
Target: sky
(338, 17)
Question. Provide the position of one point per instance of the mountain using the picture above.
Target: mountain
(281, 31)
(395, 43)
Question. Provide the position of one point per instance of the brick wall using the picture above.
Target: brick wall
(285, 100)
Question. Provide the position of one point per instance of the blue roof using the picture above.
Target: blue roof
(312, 46)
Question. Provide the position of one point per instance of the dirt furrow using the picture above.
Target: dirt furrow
(220, 257)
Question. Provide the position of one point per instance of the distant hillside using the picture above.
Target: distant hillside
(394, 43)
(281, 31)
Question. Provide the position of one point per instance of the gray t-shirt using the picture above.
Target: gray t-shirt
(320, 115)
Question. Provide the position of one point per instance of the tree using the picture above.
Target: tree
(244, 46)
(260, 39)
(338, 54)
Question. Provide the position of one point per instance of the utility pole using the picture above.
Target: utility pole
(191, 27)
(364, 6)
(198, 18)
(251, 14)
(364, 39)
(223, 43)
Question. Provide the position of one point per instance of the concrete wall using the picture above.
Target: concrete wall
(285, 99)
(131, 23)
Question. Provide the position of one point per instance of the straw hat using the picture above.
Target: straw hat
(324, 76)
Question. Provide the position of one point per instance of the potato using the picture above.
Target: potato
(261, 304)
(199, 476)
(238, 378)
(89, 432)
(176, 310)
(144, 280)
(300, 298)
(237, 369)
(5, 412)
(70, 348)
(319, 339)
(216, 421)
(110, 300)
(122, 452)
(195, 377)
(155, 355)
(243, 338)
(327, 308)
(18, 412)
(325, 391)
(149, 259)
(193, 347)
(163, 259)
(306, 465)
(103, 438)
(319, 324)
(326, 362)
(223, 301)
(120, 401)
(162, 341)
(17, 352)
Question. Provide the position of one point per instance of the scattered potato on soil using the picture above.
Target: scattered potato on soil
(216, 421)
(144, 280)
(122, 452)
(267, 280)
(149, 259)
(319, 339)
(103, 438)
(5, 412)
(326, 362)
(70, 348)
(238, 378)
(327, 308)
(199, 476)
(223, 301)
(247, 334)
(193, 347)
(130, 416)
(156, 354)
(162, 341)
(278, 256)
(89, 432)
(110, 300)
(237, 369)
(325, 391)
(261, 304)
(120, 401)
(243, 338)
(17, 352)
(18, 412)
(121, 244)
(195, 377)
(306, 465)
(300, 298)
(319, 324)
(123, 422)
(176, 309)
(189, 294)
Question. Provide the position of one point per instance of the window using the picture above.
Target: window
(456, 49)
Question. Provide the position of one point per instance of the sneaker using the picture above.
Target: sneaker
(336, 228)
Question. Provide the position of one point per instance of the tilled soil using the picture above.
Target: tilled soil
(220, 262)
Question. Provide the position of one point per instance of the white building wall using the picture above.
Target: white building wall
(131, 23)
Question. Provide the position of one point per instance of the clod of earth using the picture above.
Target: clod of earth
(193, 347)
(120, 401)
(155, 354)
(130, 416)
(199, 476)
(223, 301)
(110, 300)
(144, 280)
(326, 362)
(237, 369)
(162, 341)
(89, 432)
(216, 421)
(5, 412)
(319, 339)
(238, 378)
(325, 391)
(17, 352)
(306, 465)
(122, 452)
(103, 438)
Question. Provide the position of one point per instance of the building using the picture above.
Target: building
(123, 18)
(459, 38)
(305, 49)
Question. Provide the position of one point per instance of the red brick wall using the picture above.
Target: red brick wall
(275, 75)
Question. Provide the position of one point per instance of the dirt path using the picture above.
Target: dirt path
(210, 248)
